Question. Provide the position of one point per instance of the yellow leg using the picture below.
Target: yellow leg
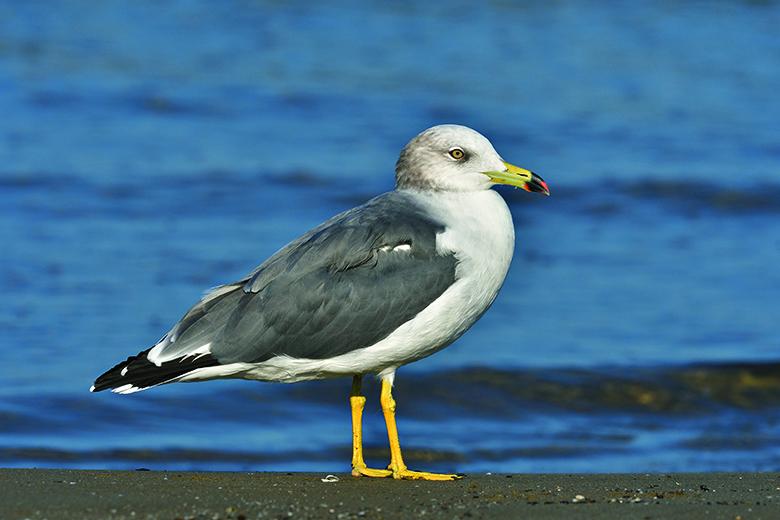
(357, 402)
(397, 466)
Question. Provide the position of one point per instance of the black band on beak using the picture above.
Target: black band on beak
(537, 184)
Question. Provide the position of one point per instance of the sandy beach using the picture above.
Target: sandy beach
(34, 493)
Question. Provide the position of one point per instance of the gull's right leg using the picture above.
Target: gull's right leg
(357, 402)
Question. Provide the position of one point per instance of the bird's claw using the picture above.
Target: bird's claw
(407, 474)
(363, 471)
(402, 474)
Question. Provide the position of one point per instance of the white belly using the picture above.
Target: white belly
(481, 235)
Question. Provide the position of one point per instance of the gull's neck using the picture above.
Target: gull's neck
(477, 223)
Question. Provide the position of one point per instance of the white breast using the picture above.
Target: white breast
(479, 231)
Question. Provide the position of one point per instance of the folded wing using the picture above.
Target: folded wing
(345, 285)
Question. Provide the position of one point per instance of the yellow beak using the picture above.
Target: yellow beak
(520, 178)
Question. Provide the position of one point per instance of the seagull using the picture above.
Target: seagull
(376, 287)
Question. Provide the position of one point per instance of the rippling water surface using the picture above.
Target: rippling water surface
(149, 151)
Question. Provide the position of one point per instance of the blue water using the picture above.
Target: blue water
(151, 150)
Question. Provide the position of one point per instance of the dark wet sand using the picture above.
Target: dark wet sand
(32, 493)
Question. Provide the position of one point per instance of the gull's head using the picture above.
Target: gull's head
(457, 158)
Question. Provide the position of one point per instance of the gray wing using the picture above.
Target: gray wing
(338, 288)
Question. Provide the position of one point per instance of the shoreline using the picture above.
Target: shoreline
(54, 493)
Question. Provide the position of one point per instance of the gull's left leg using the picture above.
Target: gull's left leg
(397, 466)
(357, 402)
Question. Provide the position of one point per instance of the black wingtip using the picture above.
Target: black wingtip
(138, 373)
(113, 377)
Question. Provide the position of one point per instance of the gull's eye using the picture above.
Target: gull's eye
(457, 154)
